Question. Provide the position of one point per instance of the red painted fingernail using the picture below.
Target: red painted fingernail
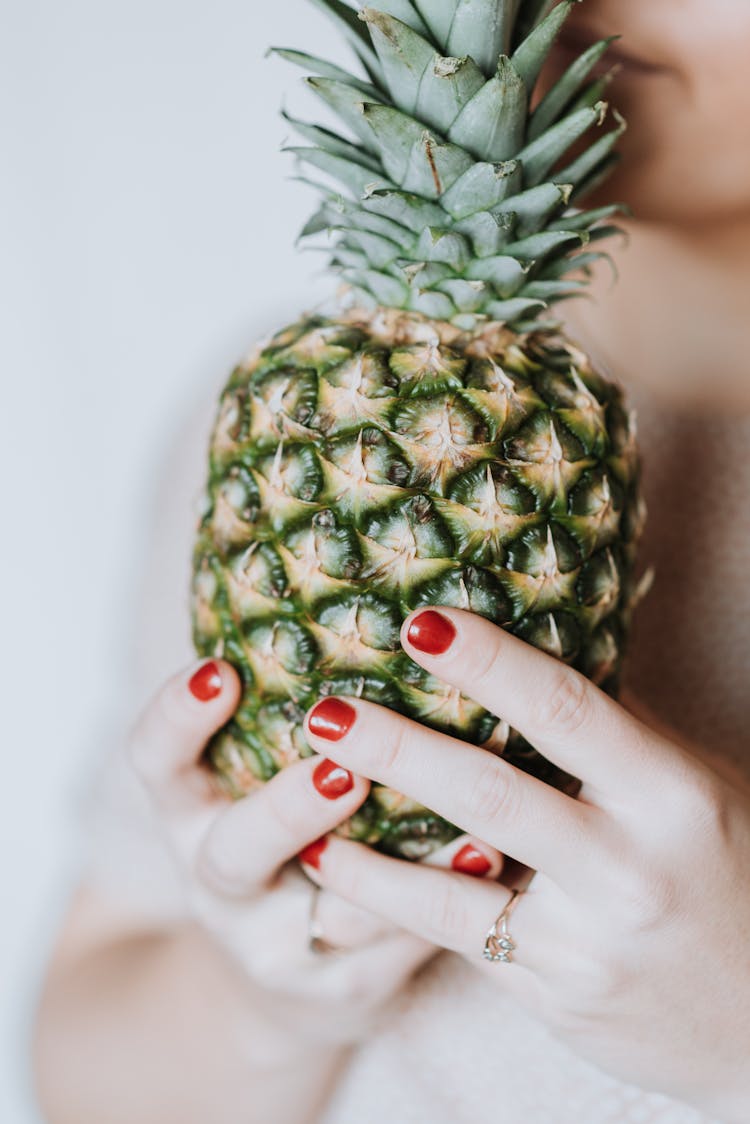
(310, 855)
(331, 780)
(470, 860)
(206, 683)
(432, 633)
(331, 719)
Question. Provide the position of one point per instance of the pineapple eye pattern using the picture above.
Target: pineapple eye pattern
(477, 483)
(280, 400)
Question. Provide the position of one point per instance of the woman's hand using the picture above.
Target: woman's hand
(241, 884)
(633, 939)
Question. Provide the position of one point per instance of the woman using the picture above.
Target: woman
(616, 984)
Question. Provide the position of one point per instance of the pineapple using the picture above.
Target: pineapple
(437, 441)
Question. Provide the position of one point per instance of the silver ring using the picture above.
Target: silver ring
(316, 942)
(499, 946)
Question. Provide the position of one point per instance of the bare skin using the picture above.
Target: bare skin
(640, 330)
(677, 325)
(119, 990)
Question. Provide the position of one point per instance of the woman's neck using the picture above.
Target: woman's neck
(676, 325)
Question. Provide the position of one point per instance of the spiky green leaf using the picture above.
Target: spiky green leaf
(324, 69)
(347, 103)
(438, 15)
(353, 176)
(433, 168)
(444, 246)
(585, 220)
(541, 156)
(468, 296)
(506, 273)
(361, 217)
(482, 29)
(425, 275)
(410, 211)
(396, 134)
(591, 94)
(533, 208)
(404, 56)
(481, 188)
(532, 12)
(447, 86)
(348, 22)
(488, 232)
(540, 245)
(530, 56)
(331, 142)
(553, 290)
(345, 257)
(405, 11)
(557, 268)
(317, 223)
(558, 99)
(380, 251)
(596, 154)
(510, 310)
(431, 303)
(386, 289)
(492, 125)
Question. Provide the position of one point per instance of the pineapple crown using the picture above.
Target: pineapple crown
(458, 202)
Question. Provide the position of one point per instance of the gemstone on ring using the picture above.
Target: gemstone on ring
(499, 946)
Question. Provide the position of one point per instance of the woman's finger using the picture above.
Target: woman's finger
(468, 855)
(485, 796)
(250, 840)
(343, 924)
(557, 709)
(173, 730)
(365, 976)
(441, 907)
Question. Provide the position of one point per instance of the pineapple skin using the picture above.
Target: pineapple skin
(364, 466)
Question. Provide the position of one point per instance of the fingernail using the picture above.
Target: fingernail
(431, 633)
(310, 855)
(206, 683)
(331, 780)
(470, 860)
(331, 719)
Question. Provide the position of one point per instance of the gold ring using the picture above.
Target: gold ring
(499, 946)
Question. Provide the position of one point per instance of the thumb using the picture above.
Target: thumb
(171, 734)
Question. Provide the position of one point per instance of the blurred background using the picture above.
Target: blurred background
(147, 227)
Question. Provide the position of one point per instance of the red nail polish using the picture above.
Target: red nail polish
(432, 633)
(331, 780)
(331, 719)
(470, 860)
(312, 852)
(206, 683)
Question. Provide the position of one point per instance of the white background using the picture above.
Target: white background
(147, 222)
